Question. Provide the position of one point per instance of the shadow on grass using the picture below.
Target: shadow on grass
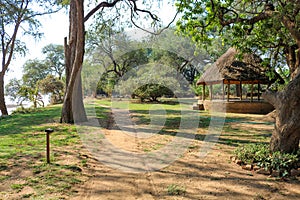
(231, 136)
(18, 123)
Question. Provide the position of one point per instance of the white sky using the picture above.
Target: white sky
(55, 28)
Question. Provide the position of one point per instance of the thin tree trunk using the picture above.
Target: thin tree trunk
(292, 54)
(3, 107)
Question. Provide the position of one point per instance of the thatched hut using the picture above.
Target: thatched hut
(229, 70)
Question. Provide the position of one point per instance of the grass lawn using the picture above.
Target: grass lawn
(24, 173)
(22, 156)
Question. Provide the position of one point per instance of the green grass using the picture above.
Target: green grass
(175, 189)
(140, 112)
(232, 136)
(22, 142)
(17, 187)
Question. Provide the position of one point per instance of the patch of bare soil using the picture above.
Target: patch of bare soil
(189, 177)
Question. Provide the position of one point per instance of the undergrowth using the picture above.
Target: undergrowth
(260, 155)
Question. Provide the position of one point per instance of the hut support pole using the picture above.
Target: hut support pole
(228, 91)
(203, 92)
(258, 91)
(223, 90)
(241, 91)
(211, 91)
(251, 92)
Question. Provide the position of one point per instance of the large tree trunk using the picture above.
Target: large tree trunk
(79, 114)
(286, 135)
(73, 108)
(3, 108)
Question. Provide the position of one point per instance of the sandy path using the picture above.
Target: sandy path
(212, 177)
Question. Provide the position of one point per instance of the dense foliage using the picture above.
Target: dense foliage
(270, 28)
(260, 155)
(19, 18)
(113, 54)
(152, 92)
(40, 77)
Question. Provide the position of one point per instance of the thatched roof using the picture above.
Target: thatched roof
(229, 69)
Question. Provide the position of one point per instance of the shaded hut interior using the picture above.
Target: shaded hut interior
(239, 81)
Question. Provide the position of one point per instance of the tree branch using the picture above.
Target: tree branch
(40, 14)
(260, 17)
(136, 9)
(99, 6)
(291, 26)
(272, 98)
(153, 33)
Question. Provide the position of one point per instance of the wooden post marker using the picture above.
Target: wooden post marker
(48, 131)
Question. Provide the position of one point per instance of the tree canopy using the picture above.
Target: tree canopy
(19, 17)
(114, 53)
(39, 77)
(55, 59)
(269, 28)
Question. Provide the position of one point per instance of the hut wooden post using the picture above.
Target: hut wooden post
(211, 91)
(241, 91)
(223, 90)
(251, 92)
(258, 90)
(228, 90)
(203, 92)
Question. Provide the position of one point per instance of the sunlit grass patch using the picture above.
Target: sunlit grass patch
(23, 146)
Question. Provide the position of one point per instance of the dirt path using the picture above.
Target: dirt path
(189, 177)
(212, 178)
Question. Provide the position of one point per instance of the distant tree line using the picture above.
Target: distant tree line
(40, 77)
(111, 54)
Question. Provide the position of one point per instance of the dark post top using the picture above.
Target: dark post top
(49, 130)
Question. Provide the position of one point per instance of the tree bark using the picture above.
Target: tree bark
(292, 54)
(286, 135)
(73, 107)
(79, 113)
(3, 108)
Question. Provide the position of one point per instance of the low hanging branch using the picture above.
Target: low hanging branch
(99, 6)
(134, 9)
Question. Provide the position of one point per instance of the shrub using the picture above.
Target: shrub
(152, 92)
(252, 153)
(282, 162)
(259, 154)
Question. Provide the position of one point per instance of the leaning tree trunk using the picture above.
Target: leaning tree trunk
(73, 108)
(286, 135)
(3, 107)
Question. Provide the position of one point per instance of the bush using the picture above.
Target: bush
(259, 154)
(282, 162)
(152, 92)
(252, 153)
